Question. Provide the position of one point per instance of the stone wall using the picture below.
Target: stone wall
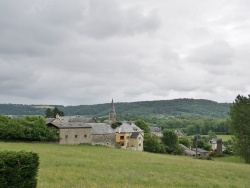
(104, 139)
(75, 136)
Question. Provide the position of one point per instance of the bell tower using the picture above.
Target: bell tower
(112, 114)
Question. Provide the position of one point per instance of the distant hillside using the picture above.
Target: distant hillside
(196, 107)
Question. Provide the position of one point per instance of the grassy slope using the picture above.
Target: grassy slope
(93, 166)
(224, 137)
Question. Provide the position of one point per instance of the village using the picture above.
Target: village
(78, 130)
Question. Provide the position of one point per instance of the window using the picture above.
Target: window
(139, 144)
(139, 138)
(75, 136)
(121, 137)
(85, 136)
(66, 136)
(127, 137)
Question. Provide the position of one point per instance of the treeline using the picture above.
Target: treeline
(187, 123)
(29, 128)
(174, 107)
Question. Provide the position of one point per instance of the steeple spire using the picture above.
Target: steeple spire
(112, 114)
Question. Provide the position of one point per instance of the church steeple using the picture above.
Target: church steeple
(112, 114)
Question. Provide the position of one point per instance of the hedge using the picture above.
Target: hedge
(18, 169)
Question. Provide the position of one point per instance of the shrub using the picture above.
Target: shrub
(18, 169)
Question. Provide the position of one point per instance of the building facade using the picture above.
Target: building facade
(129, 136)
(73, 133)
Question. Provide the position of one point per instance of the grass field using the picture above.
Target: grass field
(224, 137)
(233, 159)
(82, 166)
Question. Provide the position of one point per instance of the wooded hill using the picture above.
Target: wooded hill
(193, 107)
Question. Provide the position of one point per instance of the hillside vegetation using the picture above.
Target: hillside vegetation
(196, 107)
(94, 166)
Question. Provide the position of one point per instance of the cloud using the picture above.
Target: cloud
(109, 19)
(86, 52)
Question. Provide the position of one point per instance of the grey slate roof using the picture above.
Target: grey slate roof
(128, 127)
(48, 120)
(189, 151)
(200, 150)
(159, 134)
(101, 128)
(84, 120)
(134, 135)
(155, 129)
(65, 125)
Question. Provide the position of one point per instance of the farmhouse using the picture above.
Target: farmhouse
(102, 134)
(217, 145)
(156, 131)
(129, 136)
(72, 132)
(192, 152)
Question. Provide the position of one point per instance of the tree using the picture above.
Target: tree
(49, 113)
(185, 141)
(240, 126)
(57, 111)
(152, 143)
(116, 124)
(170, 139)
(211, 135)
(201, 143)
(142, 125)
(52, 113)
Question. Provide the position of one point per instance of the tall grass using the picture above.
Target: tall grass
(95, 166)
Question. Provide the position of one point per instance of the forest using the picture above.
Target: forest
(197, 107)
(193, 116)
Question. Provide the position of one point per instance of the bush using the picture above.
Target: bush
(18, 169)
(29, 128)
(153, 144)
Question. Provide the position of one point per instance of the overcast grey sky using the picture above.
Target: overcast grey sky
(90, 51)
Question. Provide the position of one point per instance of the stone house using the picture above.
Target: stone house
(192, 151)
(189, 152)
(217, 145)
(156, 131)
(102, 134)
(72, 132)
(129, 136)
(202, 152)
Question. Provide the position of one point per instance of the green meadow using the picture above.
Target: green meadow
(82, 166)
(225, 137)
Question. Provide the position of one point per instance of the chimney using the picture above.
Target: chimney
(57, 116)
(219, 145)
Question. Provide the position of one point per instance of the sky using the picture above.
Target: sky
(90, 51)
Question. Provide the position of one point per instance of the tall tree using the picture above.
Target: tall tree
(49, 113)
(57, 111)
(52, 113)
(152, 143)
(240, 126)
(142, 125)
(170, 139)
